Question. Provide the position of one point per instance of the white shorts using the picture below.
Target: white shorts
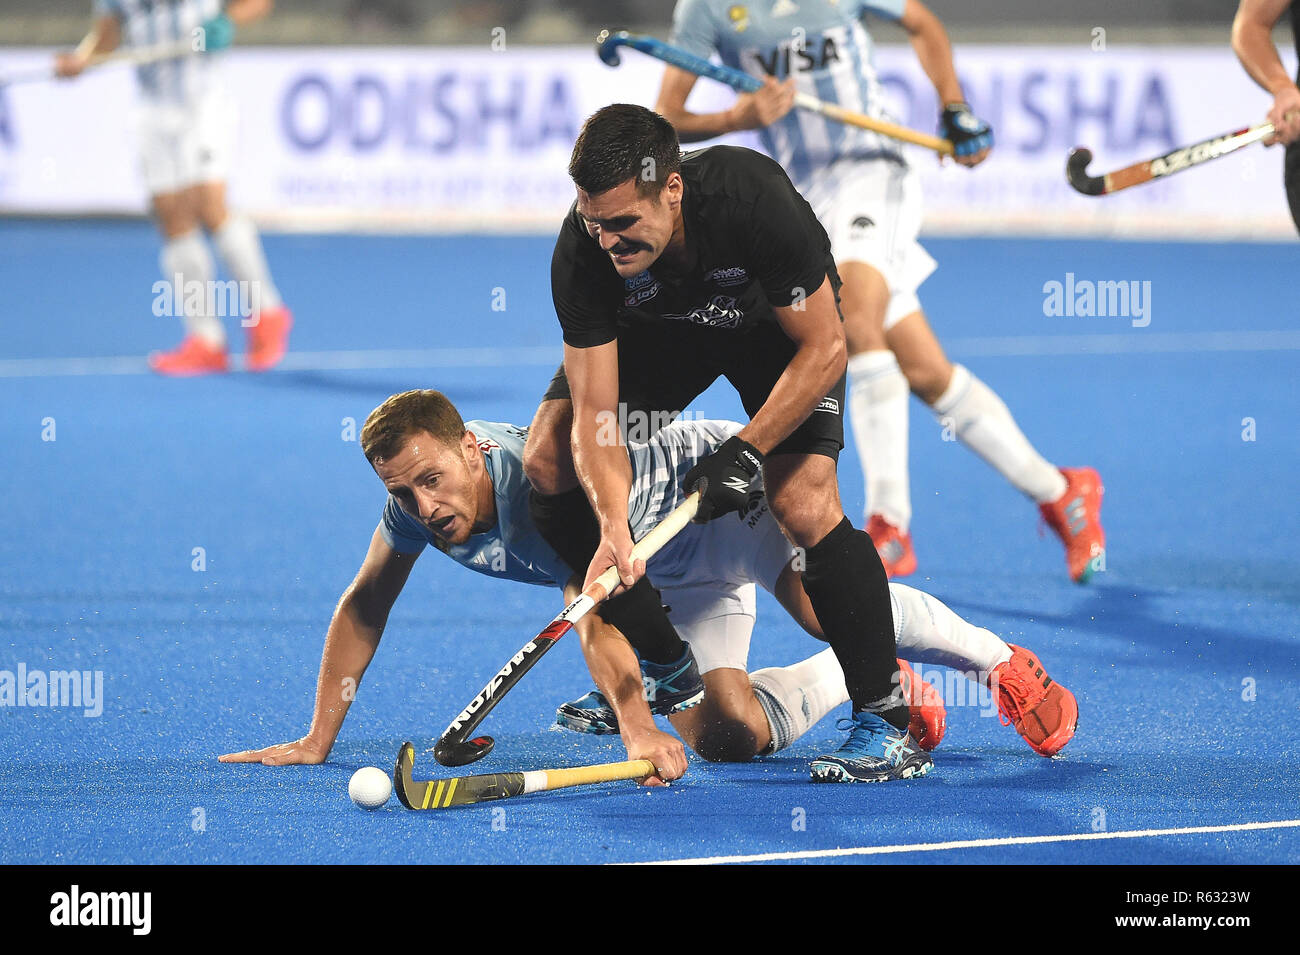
(871, 209)
(709, 586)
(182, 146)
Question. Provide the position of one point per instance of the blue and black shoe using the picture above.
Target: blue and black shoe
(875, 752)
(588, 714)
(672, 687)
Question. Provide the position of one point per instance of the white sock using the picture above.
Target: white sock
(185, 260)
(983, 423)
(878, 395)
(796, 697)
(240, 248)
(927, 631)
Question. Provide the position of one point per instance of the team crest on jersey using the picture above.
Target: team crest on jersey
(721, 312)
(487, 445)
(735, 275)
(739, 17)
(640, 288)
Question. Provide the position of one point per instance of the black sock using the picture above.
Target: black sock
(849, 592)
(567, 523)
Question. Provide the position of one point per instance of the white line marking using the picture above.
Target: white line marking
(1137, 342)
(975, 844)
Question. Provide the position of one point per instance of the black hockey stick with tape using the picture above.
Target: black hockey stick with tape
(454, 747)
(467, 790)
(1185, 157)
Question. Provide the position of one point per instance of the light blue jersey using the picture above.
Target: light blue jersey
(512, 549)
(147, 23)
(823, 44)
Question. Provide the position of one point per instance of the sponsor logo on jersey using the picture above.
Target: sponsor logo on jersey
(829, 405)
(640, 288)
(739, 17)
(790, 56)
(734, 275)
(862, 223)
(753, 509)
(721, 312)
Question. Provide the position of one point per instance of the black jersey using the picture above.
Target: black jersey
(753, 243)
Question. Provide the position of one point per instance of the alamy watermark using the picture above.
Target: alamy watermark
(72, 689)
(176, 298)
(1085, 298)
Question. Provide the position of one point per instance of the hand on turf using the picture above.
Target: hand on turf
(971, 137)
(1285, 116)
(665, 751)
(615, 549)
(764, 106)
(302, 752)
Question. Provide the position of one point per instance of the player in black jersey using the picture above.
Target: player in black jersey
(668, 273)
(1252, 40)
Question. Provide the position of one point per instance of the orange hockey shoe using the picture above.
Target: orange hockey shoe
(268, 338)
(1045, 713)
(929, 717)
(193, 356)
(1076, 518)
(893, 546)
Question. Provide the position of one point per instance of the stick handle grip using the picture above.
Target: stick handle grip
(649, 545)
(602, 773)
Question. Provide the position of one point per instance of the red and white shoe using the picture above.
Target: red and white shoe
(268, 338)
(928, 716)
(191, 357)
(1045, 713)
(893, 546)
(1076, 518)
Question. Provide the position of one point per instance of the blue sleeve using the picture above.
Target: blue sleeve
(887, 9)
(400, 530)
(108, 8)
(693, 28)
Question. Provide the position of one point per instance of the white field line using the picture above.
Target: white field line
(976, 844)
(1136, 342)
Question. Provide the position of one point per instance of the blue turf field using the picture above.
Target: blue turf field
(1198, 606)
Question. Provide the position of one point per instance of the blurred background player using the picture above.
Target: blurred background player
(187, 125)
(1252, 40)
(868, 198)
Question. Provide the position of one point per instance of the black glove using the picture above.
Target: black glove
(964, 129)
(723, 478)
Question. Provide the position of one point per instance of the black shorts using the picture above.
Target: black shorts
(1292, 179)
(664, 366)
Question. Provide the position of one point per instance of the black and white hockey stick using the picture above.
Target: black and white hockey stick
(454, 747)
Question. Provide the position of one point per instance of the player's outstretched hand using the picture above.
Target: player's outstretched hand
(615, 549)
(665, 751)
(302, 752)
(723, 478)
(971, 137)
(1285, 116)
(68, 65)
(764, 106)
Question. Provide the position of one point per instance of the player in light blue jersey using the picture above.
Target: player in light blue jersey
(867, 196)
(186, 125)
(460, 487)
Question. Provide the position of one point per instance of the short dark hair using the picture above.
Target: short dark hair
(621, 142)
(392, 423)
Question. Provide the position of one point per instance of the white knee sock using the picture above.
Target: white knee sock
(796, 697)
(878, 403)
(927, 631)
(185, 260)
(240, 248)
(983, 423)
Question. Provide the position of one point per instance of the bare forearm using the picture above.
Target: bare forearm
(350, 645)
(810, 375)
(603, 468)
(616, 671)
(1253, 44)
(103, 37)
(934, 53)
(244, 12)
(693, 127)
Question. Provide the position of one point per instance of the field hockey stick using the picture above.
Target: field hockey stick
(454, 748)
(1185, 157)
(134, 57)
(607, 45)
(467, 790)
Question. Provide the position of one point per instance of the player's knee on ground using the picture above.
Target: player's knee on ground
(717, 734)
(548, 457)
